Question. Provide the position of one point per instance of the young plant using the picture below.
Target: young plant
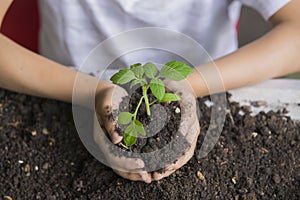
(147, 76)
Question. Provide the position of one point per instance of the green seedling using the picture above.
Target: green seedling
(147, 76)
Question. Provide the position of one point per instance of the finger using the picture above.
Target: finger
(111, 127)
(115, 137)
(109, 104)
(171, 168)
(124, 164)
(187, 103)
(188, 108)
(188, 113)
(142, 176)
(189, 152)
(183, 159)
(193, 133)
(185, 126)
(117, 95)
(128, 164)
(158, 176)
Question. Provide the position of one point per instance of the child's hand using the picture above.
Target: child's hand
(131, 168)
(107, 100)
(189, 126)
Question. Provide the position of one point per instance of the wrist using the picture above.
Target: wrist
(197, 84)
(102, 88)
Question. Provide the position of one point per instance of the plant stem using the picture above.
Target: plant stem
(145, 88)
(153, 102)
(137, 108)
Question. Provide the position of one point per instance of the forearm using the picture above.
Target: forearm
(4, 5)
(273, 55)
(26, 72)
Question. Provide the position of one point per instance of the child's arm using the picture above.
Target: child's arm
(274, 55)
(24, 71)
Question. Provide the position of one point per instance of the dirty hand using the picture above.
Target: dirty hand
(107, 99)
(189, 126)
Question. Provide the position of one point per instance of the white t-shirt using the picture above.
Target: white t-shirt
(70, 29)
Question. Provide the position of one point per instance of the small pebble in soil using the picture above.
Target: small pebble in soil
(250, 196)
(254, 134)
(45, 131)
(20, 161)
(27, 170)
(45, 166)
(177, 110)
(254, 170)
(264, 150)
(51, 141)
(233, 180)
(276, 178)
(33, 133)
(8, 198)
(200, 175)
(249, 181)
(36, 168)
(242, 190)
(293, 142)
(119, 183)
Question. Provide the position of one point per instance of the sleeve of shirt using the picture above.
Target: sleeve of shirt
(267, 8)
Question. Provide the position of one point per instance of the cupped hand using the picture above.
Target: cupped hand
(107, 100)
(131, 168)
(189, 125)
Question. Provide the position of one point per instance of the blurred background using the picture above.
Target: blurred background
(252, 26)
(22, 25)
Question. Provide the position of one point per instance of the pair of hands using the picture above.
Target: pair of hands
(108, 99)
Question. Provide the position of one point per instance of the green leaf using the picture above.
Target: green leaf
(124, 117)
(139, 127)
(138, 81)
(138, 71)
(157, 87)
(135, 65)
(170, 97)
(130, 135)
(150, 70)
(123, 76)
(175, 70)
(131, 132)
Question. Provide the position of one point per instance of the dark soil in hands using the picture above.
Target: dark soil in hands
(42, 157)
(161, 128)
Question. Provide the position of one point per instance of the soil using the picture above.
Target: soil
(161, 129)
(42, 157)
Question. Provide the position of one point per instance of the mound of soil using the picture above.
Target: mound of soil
(42, 157)
(161, 129)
